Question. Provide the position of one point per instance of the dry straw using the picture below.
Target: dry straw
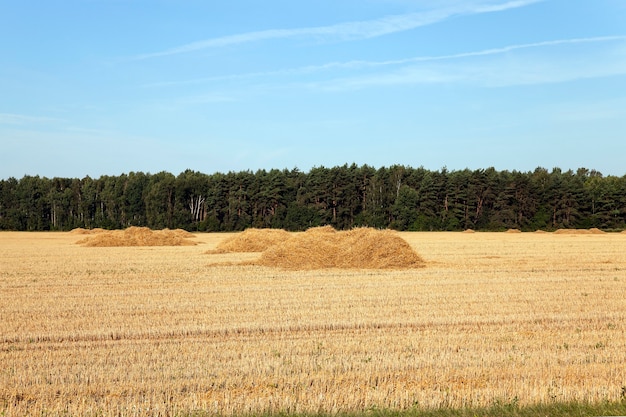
(130, 332)
(252, 240)
(81, 231)
(139, 236)
(360, 248)
(592, 231)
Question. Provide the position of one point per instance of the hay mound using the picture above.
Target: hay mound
(138, 236)
(596, 231)
(566, 232)
(179, 232)
(252, 240)
(514, 231)
(578, 231)
(468, 231)
(81, 231)
(361, 248)
(321, 230)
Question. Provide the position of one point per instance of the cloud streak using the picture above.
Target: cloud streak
(347, 31)
(529, 70)
(360, 65)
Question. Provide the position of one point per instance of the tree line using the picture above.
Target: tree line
(396, 197)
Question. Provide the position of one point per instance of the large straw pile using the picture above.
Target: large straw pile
(139, 236)
(323, 248)
(252, 240)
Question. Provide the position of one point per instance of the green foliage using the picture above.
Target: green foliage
(397, 197)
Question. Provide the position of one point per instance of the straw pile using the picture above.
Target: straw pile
(139, 236)
(81, 231)
(592, 231)
(321, 230)
(323, 248)
(571, 232)
(252, 240)
(514, 231)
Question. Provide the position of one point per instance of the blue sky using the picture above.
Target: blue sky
(105, 87)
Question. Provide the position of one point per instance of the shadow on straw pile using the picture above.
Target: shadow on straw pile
(251, 240)
(139, 236)
(326, 248)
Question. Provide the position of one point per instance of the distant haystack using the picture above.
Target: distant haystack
(138, 236)
(252, 240)
(571, 231)
(81, 231)
(320, 230)
(323, 248)
(593, 231)
(514, 231)
(468, 231)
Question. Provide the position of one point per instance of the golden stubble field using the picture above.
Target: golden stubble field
(492, 318)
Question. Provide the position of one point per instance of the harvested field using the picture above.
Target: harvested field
(493, 317)
(324, 248)
(251, 240)
(136, 236)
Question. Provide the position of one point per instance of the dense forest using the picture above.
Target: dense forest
(397, 197)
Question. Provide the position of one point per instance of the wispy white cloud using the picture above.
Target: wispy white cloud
(364, 65)
(531, 69)
(348, 31)
(485, 52)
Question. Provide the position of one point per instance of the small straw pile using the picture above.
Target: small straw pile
(81, 231)
(324, 248)
(592, 231)
(139, 236)
(514, 231)
(251, 240)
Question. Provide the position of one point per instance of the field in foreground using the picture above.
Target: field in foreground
(493, 318)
